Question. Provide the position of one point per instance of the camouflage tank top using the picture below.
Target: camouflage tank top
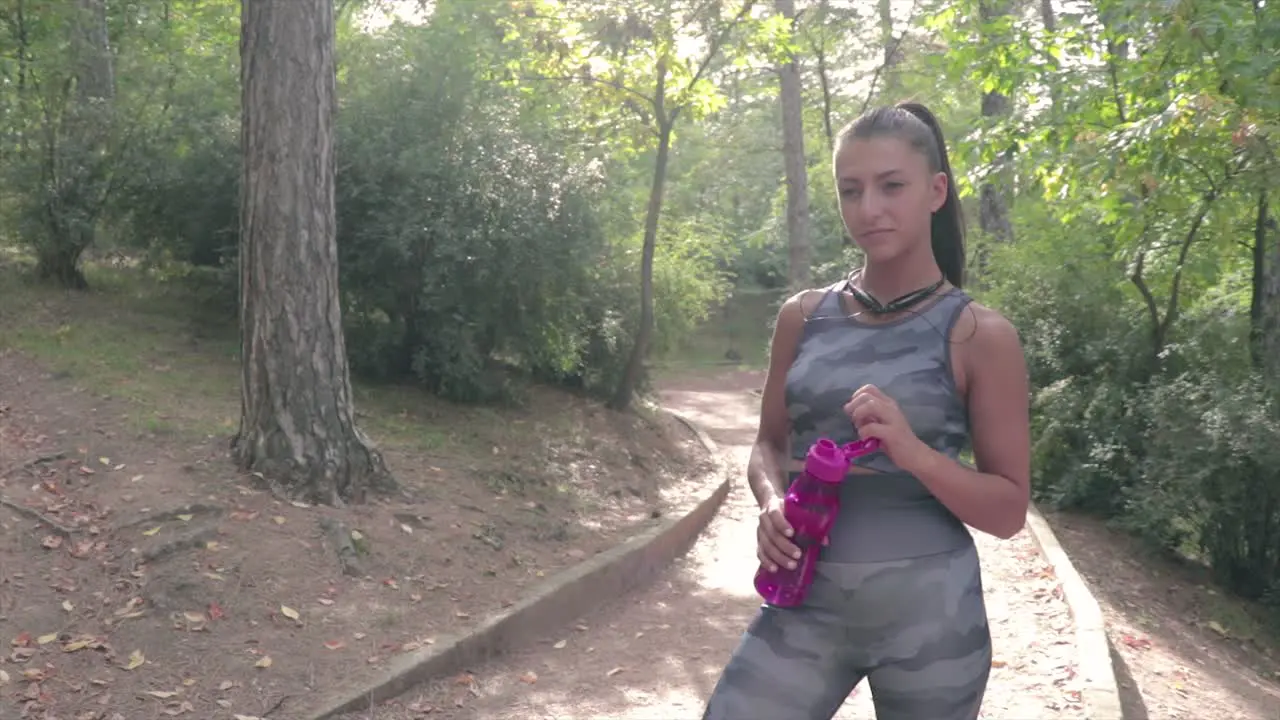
(886, 514)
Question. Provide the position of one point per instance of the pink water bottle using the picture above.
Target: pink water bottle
(810, 506)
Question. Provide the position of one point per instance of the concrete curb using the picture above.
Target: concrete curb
(1100, 692)
(559, 600)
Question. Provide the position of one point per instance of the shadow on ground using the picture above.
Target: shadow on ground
(1180, 645)
(654, 654)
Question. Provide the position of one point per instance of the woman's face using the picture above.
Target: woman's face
(887, 195)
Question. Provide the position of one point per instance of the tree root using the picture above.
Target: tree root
(186, 542)
(40, 460)
(340, 537)
(37, 515)
(172, 514)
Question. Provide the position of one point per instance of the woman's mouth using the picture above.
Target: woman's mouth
(874, 234)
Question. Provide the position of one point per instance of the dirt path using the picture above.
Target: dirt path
(659, 652)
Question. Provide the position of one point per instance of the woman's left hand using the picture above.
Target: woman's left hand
(876, 415)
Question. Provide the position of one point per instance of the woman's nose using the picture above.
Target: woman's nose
(870, 204)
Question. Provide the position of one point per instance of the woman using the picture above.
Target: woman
(897, 597)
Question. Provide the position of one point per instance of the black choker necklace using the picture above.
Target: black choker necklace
(897, 304)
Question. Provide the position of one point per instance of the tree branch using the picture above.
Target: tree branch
(893, 52)
(598, 80)
(713, 49)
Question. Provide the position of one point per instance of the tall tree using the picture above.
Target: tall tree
(793, 157)
(651, 63)
(77, 163)
(297, 422)
(993, 207)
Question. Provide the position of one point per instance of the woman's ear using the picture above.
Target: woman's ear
(938, 188)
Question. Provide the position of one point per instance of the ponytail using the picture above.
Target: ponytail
(915, 124)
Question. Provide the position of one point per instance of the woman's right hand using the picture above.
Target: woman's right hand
(773, 538)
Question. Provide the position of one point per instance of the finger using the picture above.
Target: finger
(870, 390)
(765, 562)
(780, 525)
(872, 430)
(763, 549)
(857, 399)
(789, 549)
(866, 412)
(774, 549)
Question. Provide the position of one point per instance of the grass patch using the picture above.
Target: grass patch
(145, 341)
(735, 334)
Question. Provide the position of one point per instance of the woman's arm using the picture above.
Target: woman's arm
(994, 497)
(765, 473)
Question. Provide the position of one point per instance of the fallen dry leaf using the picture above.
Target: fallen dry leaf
(75, 645)
(289, 612)
(51, 542)
(265, 662)
(613, 672)
(334, 644)
(162, 694)
(530, 677)
(152, 531)
(136, 659)
(560, 645)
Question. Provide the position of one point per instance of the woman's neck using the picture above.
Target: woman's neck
(887, 281)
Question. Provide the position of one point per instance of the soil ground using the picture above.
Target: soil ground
(658, 654)
(142, 577)
(1185, 650)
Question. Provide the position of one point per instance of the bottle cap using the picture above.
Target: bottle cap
(858, 448)
(826, 461)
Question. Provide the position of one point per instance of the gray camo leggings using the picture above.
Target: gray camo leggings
(916, 629)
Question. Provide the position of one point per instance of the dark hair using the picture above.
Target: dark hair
(913, 123)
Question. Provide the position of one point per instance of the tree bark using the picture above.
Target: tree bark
(890, 53)
(297, 422)
(75, 165)
(634, 371)
(993, 207)
(1264, 310)
(793, 159)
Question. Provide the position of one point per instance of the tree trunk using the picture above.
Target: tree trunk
(819, 51)
(891, 84)
(634, 372)
(1050, 22)
(297, 422)
(1264, 311)
(793, 159)
(993, 207)
(74, 165)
